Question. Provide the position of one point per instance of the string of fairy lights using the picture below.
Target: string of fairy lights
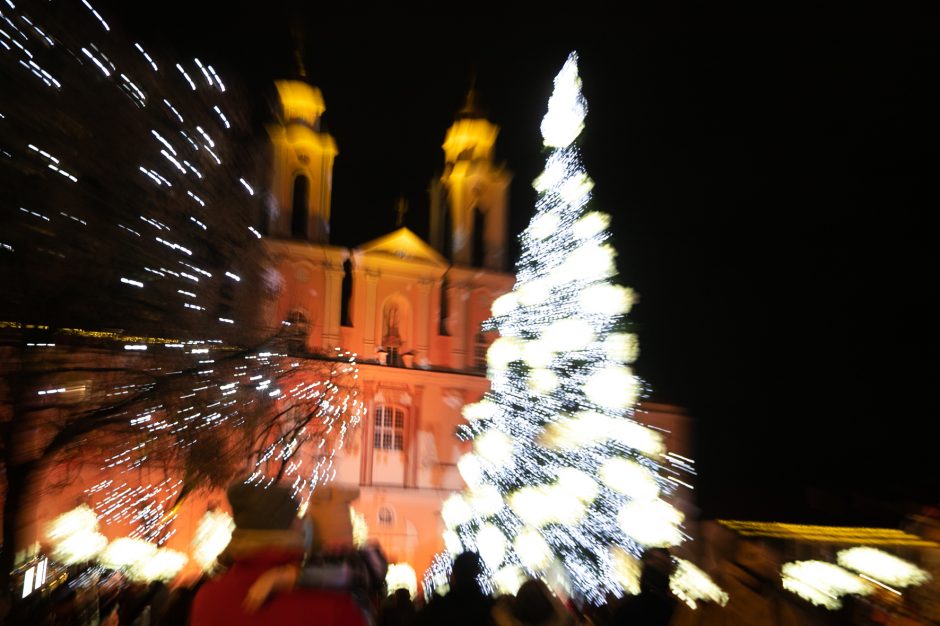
(314, 419)
(186, 190)
(563, 483)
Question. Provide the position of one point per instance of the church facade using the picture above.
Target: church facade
(410, 310)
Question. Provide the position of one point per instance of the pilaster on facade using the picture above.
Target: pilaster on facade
(332, 306)
(368, 433)
(368, 331)
(411, 436)
(423, 322)
(458, 295)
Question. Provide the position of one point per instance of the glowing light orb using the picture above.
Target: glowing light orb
(566, 108)
(212, 535)
(455, 511)
(568, 335)
(542, 380)
(502, 352)
(494, 446)
(629, 478)
(491, 543)
(484, 409)
(81, 519)
(126, 552)
(651, 523)
(588, 262)
(538, 353)
(612, 387)
(822, 583)
(883, 567)
(638, 437)
(164, 565)
(574, 191)
(532, 505)
(590, 224)
(470, 469)
(534, 292)
(569, 433)
(622, 347)
(544, 225)
(79, 548)
(504, 304)
(573, 483)
(508, 579)
(74, 536)
(568, 508)
(533, 551)
(626, 569)
(555, 171)
(485, 500)
(607, 299)
(401, 576)
(689, 584)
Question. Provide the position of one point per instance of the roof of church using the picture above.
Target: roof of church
(828, 534)
(404, 244)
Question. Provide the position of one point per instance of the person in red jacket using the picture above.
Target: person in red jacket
(267, 535)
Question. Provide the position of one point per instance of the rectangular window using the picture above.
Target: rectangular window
(389, 428)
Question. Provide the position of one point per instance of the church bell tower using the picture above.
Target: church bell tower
(469, 200)
(302, 176)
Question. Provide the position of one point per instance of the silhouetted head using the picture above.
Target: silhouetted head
(255, 507)
(657, 568)
(533, 605)
(402, 596)
(466, 569)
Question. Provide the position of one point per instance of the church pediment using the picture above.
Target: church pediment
(405, 245)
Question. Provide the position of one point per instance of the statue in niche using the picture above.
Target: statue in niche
(391, 336)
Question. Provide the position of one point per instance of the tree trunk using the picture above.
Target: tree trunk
(17, 486)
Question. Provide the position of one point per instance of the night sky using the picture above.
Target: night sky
(770, 183)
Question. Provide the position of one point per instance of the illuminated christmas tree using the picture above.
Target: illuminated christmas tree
(562, 482)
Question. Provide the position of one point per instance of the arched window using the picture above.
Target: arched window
(386, 517)
(298, 218)
(389, 428)
(479, 247)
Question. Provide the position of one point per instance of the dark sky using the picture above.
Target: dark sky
(770, 180)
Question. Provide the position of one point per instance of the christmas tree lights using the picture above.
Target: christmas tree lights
(821, 583)
(881, 566)
(562, 483)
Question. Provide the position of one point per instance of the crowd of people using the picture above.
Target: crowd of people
(272, 572)
(281, 568)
